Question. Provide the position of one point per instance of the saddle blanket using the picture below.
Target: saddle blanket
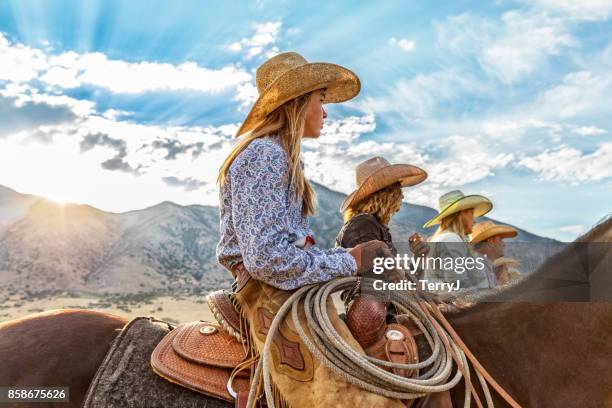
(125, 378)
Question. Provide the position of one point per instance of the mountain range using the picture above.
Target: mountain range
(46, 246)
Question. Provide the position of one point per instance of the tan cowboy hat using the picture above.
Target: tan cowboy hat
(288, 75)
(455, 201)
(488, 229)
(377, 173)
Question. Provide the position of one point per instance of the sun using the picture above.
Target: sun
(59, 199)
(58, 202)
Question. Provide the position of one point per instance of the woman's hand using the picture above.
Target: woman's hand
(501, 274)
(356, 253)
(417, 246)
(365, 254)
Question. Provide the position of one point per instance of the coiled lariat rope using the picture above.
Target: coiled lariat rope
(325, 344)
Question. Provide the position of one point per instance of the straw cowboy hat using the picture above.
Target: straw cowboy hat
(288, 75)
(488, 229)
(377, 173)
(455, 201)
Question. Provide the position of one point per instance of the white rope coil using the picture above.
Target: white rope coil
(326, 345)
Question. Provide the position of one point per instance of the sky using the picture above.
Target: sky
(122, 105)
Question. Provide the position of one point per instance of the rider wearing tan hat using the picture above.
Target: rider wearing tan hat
(376, 174)
(367, 213)
(378, 195)
(487, 238)
(488, 229)
(266, 241)
(288, 75)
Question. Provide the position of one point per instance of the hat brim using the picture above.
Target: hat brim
(405, 174)
(480, 204)
(504, 231)
(341, 84)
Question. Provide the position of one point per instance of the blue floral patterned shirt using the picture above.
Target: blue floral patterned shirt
(261, 220)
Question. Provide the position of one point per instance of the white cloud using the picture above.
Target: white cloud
(455, 162)
(62, 77)
(568, 164)
(91, 158)
(579, 94)
(19, 63)
(514, 129)
(64, 171)
(464, 159)
(262, 41)
(589, 130)
(511, 49)
(582, 9)
(70, 70)
(575, 229)
(465, 33)
(22, 95)
(527, 41)
(80, 107)
(272, 52)
(343, 131)
(405, 44)
(113, 114)
(17, 89)
(452, 163)
(246, 95)
(124, 77)
(419, 97)
(120, 154)
(576, 105)
(331, 159)
(234, 47)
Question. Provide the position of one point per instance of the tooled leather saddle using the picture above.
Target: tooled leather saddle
(202, 355)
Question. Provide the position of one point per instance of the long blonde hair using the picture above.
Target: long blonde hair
(382, 204)
(288, 121)
(454, 224)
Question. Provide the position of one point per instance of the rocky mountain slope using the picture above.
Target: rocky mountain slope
(45, 246)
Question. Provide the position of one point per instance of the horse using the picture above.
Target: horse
(57, 348)
(546, 339)
(545, 351)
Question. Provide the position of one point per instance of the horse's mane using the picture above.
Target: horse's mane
(598, 231)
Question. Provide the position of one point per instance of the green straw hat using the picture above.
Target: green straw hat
(455, 201)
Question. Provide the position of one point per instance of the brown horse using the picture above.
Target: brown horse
(547, 339)
(59, 348)
(545, 352)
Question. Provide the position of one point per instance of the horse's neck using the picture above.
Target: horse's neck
(529, 347)
(527, 327)
(532, 325)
